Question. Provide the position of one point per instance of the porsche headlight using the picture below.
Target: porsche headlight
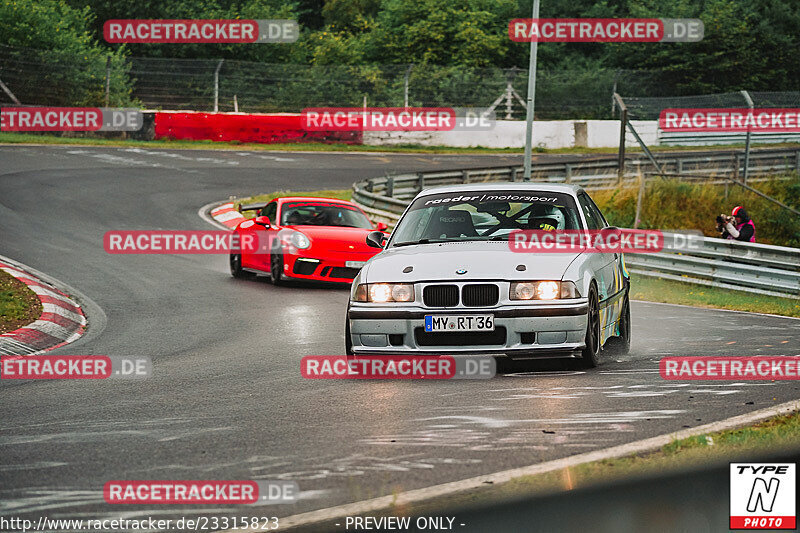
(543, 290)
(300, 240)
(384, 292)
(294, 239)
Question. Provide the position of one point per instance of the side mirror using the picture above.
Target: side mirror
(376, 239)
(262, 221)
(606, 233)
(381, 226)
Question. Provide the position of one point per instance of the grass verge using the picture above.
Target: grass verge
(778, 434)
(680, 205)
(676, 292)
(27, 138)
(19, 306)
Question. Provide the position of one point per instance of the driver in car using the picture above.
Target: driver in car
(543, 217)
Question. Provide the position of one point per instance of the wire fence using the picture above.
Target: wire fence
(649, 107)
(53, 77)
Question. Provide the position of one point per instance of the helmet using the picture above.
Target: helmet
(740, 212)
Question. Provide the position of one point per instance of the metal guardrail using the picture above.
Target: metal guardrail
(710, 138)
(742, 266)
(386, 197)
(751, 267)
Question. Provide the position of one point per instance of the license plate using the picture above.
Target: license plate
(354, 264)
(459, 323)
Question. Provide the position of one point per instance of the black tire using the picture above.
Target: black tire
(621, 344)
(276, 267)
(235, 262)
(348, 340)
(589, 355)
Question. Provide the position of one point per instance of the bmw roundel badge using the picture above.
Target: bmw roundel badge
(461, 271)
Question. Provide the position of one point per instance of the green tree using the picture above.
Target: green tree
(468, 33)
(747, 45)
(192, 9)
(54, 58)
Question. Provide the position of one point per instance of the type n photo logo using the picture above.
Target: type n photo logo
(763, 496)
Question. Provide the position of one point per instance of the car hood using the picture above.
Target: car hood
(337, 239)
(481, 260)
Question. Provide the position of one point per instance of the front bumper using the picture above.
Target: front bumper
(330, 266)
(552, 329)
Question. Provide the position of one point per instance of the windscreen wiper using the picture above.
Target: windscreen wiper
(410, 243)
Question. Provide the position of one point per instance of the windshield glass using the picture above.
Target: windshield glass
(323, 214)
(483, 216)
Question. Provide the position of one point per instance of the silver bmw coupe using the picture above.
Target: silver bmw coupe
(449, 280)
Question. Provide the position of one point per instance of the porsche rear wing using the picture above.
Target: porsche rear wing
(252, 207)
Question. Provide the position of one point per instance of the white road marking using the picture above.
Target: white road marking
(444, 489)
(203, 213)
(229, 215)
(58, 310)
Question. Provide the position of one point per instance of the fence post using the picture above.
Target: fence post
(736, 166)
(465, 176)
(390, 186)
(567, 173)
(421, 180)
(405, 84)
(640, 195)
(679, 165)
(9, 93)
(797, 161)
(514, 169)
(623, 122)
(108, 78)
(216, 85)
(747, 141)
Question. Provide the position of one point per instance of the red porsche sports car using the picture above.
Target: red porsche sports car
(321, 239)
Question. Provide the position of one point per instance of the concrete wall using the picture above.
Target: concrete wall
(511, 134)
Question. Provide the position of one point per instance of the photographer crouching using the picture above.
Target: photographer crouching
(738, 226)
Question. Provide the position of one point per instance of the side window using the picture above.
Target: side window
(594, 220)
(596, 210)
(271, 211)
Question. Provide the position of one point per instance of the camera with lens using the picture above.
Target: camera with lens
(722, 220)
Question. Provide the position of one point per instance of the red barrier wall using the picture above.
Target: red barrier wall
(253, 128)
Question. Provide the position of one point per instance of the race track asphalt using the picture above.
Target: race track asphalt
(227, 401)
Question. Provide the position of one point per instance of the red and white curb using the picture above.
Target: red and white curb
(62, 320)
(227, 215)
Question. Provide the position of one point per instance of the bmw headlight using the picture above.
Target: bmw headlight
(384, 292)
(543, 290)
